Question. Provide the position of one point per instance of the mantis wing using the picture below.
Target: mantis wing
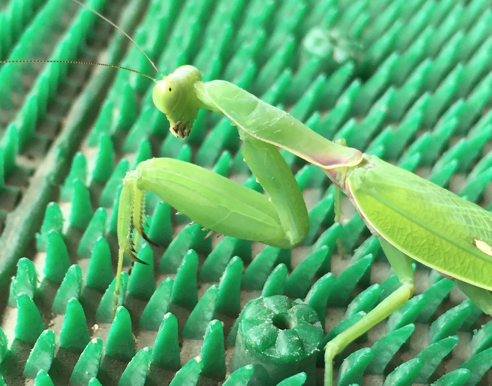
(424, 221)
(269, 124)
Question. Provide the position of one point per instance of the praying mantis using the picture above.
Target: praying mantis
(412, 218)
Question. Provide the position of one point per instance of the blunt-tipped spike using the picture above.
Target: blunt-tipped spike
(142, 282)
(449, 323)
(29, 324)
(201, 315)
(166, 349)
(74, 335)
(407, 313)
(405, 374)
(295, 380)
(81, 213)
(88, 364)
(275, 283)
(454, 378)
(127, 112)
(41, 355)
(160, 229)
(299, 281)
(25, 281)
(69, 288)
(257, 272)
(216, 262)
(157, 307)
(189, 374)
(386, 347)
(353, 367)
(478, 365)
(434, 296)
(135, 373)
(119, 344)
(144, 153)
(43, 379)
(104, 313)
(347, 281)
(318, 295)
(240, 377)
(213, 352)
(57, 260)
(94, 231)
(365, 301)
(4, 349)
(185, 286)
(104, 160)
(94, 382)
(228, 298)
(78, 171)
(432, 356)
(100, 271)
(108, 195)
(53, 221)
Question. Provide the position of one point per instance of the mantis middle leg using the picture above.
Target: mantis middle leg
(402, 265)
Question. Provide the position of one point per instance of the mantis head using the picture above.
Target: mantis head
(175, 96)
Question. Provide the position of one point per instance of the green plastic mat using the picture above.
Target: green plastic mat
(408, 81)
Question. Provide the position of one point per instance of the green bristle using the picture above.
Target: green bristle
(69, 288)
(93, 232)
(74, 335)
(78, 171)
(119, 344)
(433, 355)
(201, 314)
(42, 354)
(136, 371)
(353, 367)
(275, 282)
(88, 363)
(405, 374)
(29, 324)
(81, 213)
(166, 349)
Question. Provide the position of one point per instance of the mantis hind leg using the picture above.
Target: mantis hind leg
(402, 265)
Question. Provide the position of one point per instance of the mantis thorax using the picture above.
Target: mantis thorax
(175, 96)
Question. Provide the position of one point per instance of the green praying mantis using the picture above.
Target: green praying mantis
(413, 218)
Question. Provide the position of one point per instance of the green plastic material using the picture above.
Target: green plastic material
(279, 337)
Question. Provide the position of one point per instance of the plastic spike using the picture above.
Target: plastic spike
(328, 238)
(142, 282)
(317, 296)
(135, 373)
(103, 124)
(81, 213)
(184, 154)
(351, 232)
(303, 176)
(88, 364)
(223, 136)
(276, 93)
(213, 352)
(295, 380)
(443, 176)
(407, 313)
(299, 281)
(432, 356)
(103, 167)
(470, 320)
(215, 264)
(449, 323)
(25, 281)
(113, 221)
(482, 339)
(104, 313)
(127, 112)
(309, 101)
(4, 349)
(258, 270)
(185, 286)
(119, 344)
(434, 296)
(353, 367)
(335, 85)
(160, 229)
(189, 374)
(41, 356)
(74, 335)
(405, 374)
(347, 280)
(365, 301)
(57, 260)
(191, 237)
(144, 153)
(29, 325)
(10, 146)
(43, 379)
(93, 232)
(140, 131)
(100, 270)
(385, 348)
(78, 171)
(166, 349)
(478, 365)
(222, 165)
(201, 315)
(94, 382)
(228, 297)
(69, 288)
(317, 217)
(108, 194)
(171, 147)
(454, 378)
(275, 282)
(157, 307)
(240, 377)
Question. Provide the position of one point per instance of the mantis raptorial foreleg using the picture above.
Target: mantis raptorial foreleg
(402, 265)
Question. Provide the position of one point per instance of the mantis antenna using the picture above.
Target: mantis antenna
(92, 63)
